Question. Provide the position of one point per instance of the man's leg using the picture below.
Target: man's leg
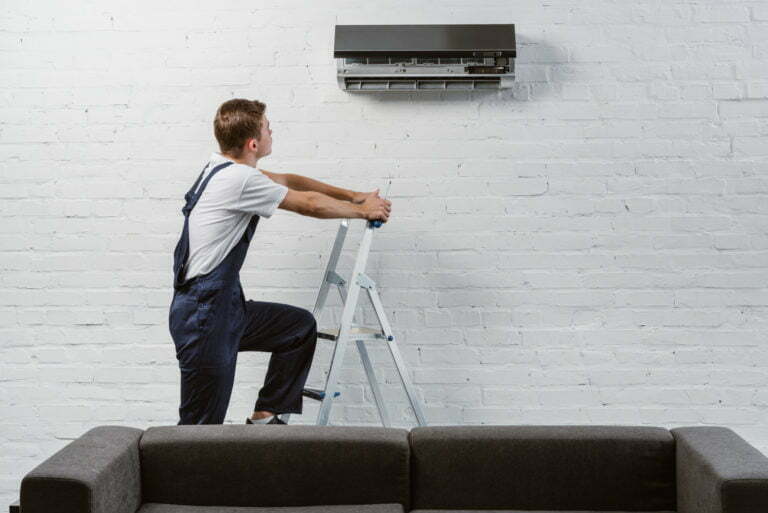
(205, 394)
(290, 334)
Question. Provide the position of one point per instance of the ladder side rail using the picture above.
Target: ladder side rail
(337, 357)
(331, 382)
(396, 356)
(377, 395)
(330, 268)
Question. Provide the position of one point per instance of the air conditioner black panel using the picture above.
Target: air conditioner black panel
(425, 40)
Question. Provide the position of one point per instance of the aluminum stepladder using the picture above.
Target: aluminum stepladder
(348, 330)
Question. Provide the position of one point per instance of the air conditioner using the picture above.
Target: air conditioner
(424, 57)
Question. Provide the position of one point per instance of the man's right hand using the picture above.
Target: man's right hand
(375, 208)
(317, 204)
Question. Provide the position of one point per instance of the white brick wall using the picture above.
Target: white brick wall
(590, 246)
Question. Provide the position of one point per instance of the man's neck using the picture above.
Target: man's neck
(248, 160)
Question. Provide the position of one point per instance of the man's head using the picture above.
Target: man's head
(242, 129)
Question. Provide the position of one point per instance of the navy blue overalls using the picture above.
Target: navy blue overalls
(210, 321)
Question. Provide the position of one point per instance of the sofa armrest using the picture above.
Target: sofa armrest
(718, 471)
(96, 473)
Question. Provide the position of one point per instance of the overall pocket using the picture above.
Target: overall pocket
(181, 317)
(182, 321)
(209, 299)
(215, 320)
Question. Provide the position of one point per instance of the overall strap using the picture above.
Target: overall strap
(194, 186)
(181, 252)
(191, 197)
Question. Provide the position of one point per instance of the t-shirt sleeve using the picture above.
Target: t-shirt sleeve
(260, 195)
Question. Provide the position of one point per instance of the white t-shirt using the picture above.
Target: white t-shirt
(224, 210)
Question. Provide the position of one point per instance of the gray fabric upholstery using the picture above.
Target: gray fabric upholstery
(441, 469)
(356, 508)
(96, 473)
(576, 467)
(252, 465)
(719, 472)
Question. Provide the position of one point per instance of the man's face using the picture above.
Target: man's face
(265, 141)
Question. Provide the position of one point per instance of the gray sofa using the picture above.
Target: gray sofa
(345, 469)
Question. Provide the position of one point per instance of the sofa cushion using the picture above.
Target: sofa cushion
(569, 467)
(356, 508)
(523, 511)
(262, 465)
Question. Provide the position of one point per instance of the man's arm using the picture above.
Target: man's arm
(317, 204)
(304, 183)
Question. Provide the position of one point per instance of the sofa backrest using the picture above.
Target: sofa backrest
(538, 467)
(300, 465)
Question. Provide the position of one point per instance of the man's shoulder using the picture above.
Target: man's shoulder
(240, 176)
(235, 172)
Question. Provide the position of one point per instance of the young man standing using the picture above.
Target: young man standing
(209, 319)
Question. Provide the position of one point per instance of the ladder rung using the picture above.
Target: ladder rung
(357, 333)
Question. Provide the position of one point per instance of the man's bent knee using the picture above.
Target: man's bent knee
(307, 319)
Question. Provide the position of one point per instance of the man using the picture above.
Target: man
(209, 318)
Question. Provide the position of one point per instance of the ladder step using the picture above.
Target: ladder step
(317, 394)
(357, 332)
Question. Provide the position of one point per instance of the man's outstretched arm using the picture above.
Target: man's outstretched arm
(317, 204)
(304, 183)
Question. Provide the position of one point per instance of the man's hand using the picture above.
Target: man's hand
(360, 197)
(375, 208)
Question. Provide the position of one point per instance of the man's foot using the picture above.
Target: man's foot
(272, 419)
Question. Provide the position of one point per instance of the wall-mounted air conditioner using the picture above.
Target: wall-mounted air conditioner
(424, 57)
